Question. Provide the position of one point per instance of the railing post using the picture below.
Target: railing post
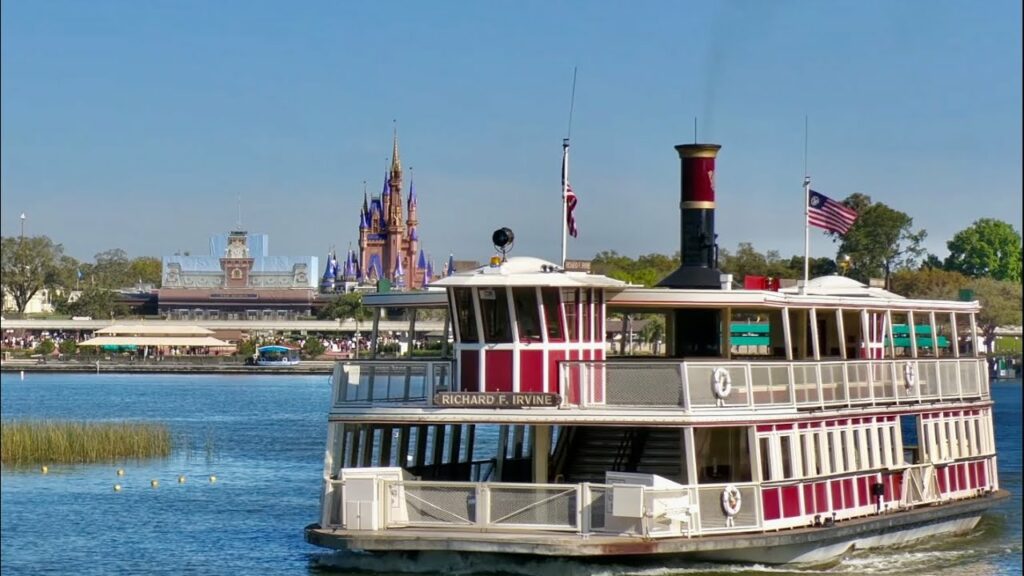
(684, 381)
(582, 503)
(483, 506)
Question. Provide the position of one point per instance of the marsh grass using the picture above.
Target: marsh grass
(52, 442)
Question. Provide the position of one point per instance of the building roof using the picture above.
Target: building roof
(153, 329)
(186, 341)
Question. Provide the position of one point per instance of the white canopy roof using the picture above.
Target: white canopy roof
(186, 341)
(153, 329)
(839, 286)
(528, 271)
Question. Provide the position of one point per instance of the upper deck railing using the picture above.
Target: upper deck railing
(693, 385)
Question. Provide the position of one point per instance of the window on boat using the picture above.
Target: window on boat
(800, 328)
(945, 334)
(766, 458)
(494, 312)
(900, 336)
(749, 333)
(570, 299)
(587, 306)
(829, 338)
(527, 314)
(835, 451)
(552, 314)
(465, 315)
(786, 455)
(962, 329)
(722, 455)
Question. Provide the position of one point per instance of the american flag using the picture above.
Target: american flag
(826, 213)
(570, 196)
(570, 201)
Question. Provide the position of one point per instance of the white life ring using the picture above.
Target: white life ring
(909, 375)
(732, 500)
(721, 382)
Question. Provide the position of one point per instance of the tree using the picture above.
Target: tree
(27, 265)
(929, 284)
(988, 248)
(881, 241)
(112, 269)
(312, 347)
(345, 306)
(147, 270)
(95, 302)
(747, 261)
(45, 347)
(1000, 305)
(68, 346)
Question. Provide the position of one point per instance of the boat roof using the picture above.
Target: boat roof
(528, 271)
(825, 291)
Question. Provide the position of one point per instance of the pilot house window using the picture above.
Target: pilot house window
(494, 309)
(527, 314)
(465, 314)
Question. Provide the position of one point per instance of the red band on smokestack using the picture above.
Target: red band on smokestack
(698, 175)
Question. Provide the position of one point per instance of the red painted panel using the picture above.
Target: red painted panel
(599, 377)
(498, 371)
(961, 472)
(887, 483)
(864, 490)
(469, 374)
(783, 426)
(554, 357)
(809, 504)
(821, 497)
(531, 370)
(764, 428)
(897, 486)
(837, 495)
(848, 495)
(983, 474)
(790, 501)
(941, 473)
(770, 505)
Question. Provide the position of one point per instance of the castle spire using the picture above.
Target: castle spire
(396, 163)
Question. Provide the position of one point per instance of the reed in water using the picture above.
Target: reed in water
(36, 442)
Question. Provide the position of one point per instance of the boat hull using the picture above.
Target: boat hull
(812, 545)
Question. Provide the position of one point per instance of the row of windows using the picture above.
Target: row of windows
(537, 311)
(950, 438)
(821, 452)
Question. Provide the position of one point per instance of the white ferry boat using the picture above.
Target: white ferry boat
(850, 417)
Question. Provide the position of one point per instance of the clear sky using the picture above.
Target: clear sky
(138, 125)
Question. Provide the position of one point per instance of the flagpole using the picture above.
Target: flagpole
(807, 231)
(565, 199)
(807, 215)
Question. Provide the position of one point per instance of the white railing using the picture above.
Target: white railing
(379, 500)
(712, 384)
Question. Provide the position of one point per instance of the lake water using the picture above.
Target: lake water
(263, 438)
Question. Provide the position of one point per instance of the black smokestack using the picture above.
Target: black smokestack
(698, 246)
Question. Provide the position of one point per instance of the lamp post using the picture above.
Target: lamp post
(22, 225)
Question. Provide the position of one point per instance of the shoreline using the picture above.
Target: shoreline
(324, 367)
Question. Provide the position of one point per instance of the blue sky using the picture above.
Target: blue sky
(139, 124)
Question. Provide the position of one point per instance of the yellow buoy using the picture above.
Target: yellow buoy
(212, 478)
(181, 479)
(154, 483)
(120, 471)
(117, 487)
(45, 469)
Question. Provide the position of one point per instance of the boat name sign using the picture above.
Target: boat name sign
(496, 400)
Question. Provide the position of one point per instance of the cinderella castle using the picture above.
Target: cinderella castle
(389, 242)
